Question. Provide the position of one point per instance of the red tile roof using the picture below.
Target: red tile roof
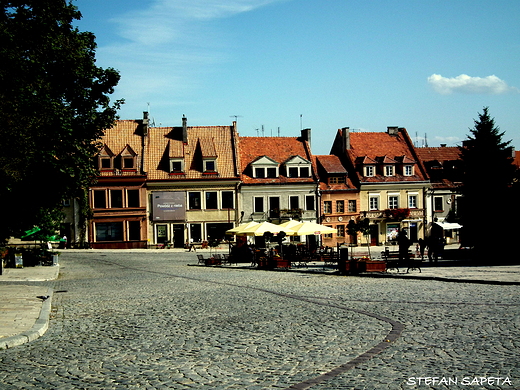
(383, 148)
(202, 141)
(279, 149)
(446, 153)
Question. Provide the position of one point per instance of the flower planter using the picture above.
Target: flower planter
(212, 261)
(280, 263)
(375, 266)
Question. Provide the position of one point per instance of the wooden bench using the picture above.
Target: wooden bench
(392, 261)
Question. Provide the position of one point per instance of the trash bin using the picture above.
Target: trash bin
(343, 263)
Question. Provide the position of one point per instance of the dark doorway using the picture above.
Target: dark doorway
(413, 232)
(178, 236)
(374, 234)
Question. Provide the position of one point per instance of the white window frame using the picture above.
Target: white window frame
(370, 171)
(408, 170)
(389, 170)
(373, 202)
(176, 160)
(210, 160)
(413, 201)
(254, 204)
(393, 198)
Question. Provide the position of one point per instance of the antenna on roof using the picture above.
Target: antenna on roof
(425, 139)
(236, 117)
(278, 131)
(262, 130)
(257, 132)
(301, 122)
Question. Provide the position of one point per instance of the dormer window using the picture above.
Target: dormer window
(176, 165)
(337, 180)
(210, 165)
(389, 170)
(298, 167)
(369, 171)
(408, 170)
(127, 159)
(105, 159)
(265, 167)
(128, 163)
(105, 162)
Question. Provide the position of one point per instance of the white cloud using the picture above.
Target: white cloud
(470, 85)
(167, 47)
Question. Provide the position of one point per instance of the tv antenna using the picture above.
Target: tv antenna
(236, 117)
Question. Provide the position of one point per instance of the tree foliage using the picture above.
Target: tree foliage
(54, 106)
(487, 184)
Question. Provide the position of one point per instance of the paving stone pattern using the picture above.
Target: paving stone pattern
(149, 321)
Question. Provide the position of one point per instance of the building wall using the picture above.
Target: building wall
(337, 219)
(283, 193)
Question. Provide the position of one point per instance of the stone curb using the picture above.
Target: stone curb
(441, 279)
(39, 328)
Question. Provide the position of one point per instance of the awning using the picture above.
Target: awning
(448, 225)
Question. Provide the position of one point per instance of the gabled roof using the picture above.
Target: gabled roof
(383, 148)
(279, 149)
(265, 160)
(128, 151)
(125, 133)
(443, 164)
(331, 164)
(296, 160)
(202, 142)
(444, 153)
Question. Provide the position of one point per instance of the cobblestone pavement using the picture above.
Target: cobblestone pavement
(149, 321)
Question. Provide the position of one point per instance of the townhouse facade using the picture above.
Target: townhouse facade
(118, 199)
(391, 179)
(445, 171)
(175, 185)
(278, 179)
(192, 183)
(339, 200)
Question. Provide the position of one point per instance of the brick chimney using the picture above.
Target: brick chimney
(306, 135)
(184, 129)
(345, 132)
(393, 130)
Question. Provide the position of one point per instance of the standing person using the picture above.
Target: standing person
(422, 246)
(404, 243)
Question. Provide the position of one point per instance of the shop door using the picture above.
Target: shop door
(374, 233)
(413, 232)
(178, 236)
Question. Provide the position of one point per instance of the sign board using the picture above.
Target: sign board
(169, 206)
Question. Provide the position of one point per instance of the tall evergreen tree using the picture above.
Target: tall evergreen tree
(54, 105)
(486, 186)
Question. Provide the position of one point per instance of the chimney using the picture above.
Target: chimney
(306, 135)
(146, 122)
(393, 130)
(346, 138)
(184, 129)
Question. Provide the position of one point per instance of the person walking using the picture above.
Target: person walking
(404, 243)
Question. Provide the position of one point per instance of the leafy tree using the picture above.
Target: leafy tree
(54, 106)
(486, 187)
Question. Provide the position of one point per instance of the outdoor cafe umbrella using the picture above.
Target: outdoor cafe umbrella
(261, 228)
(309, 228)
(241, 227)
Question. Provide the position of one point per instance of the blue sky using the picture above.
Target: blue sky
(428, 66)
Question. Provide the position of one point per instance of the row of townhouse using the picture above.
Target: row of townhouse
(160, 185)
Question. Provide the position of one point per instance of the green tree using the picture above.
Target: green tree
(54, 106)
(486, 187)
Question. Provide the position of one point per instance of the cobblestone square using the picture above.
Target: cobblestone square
(127, 320)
